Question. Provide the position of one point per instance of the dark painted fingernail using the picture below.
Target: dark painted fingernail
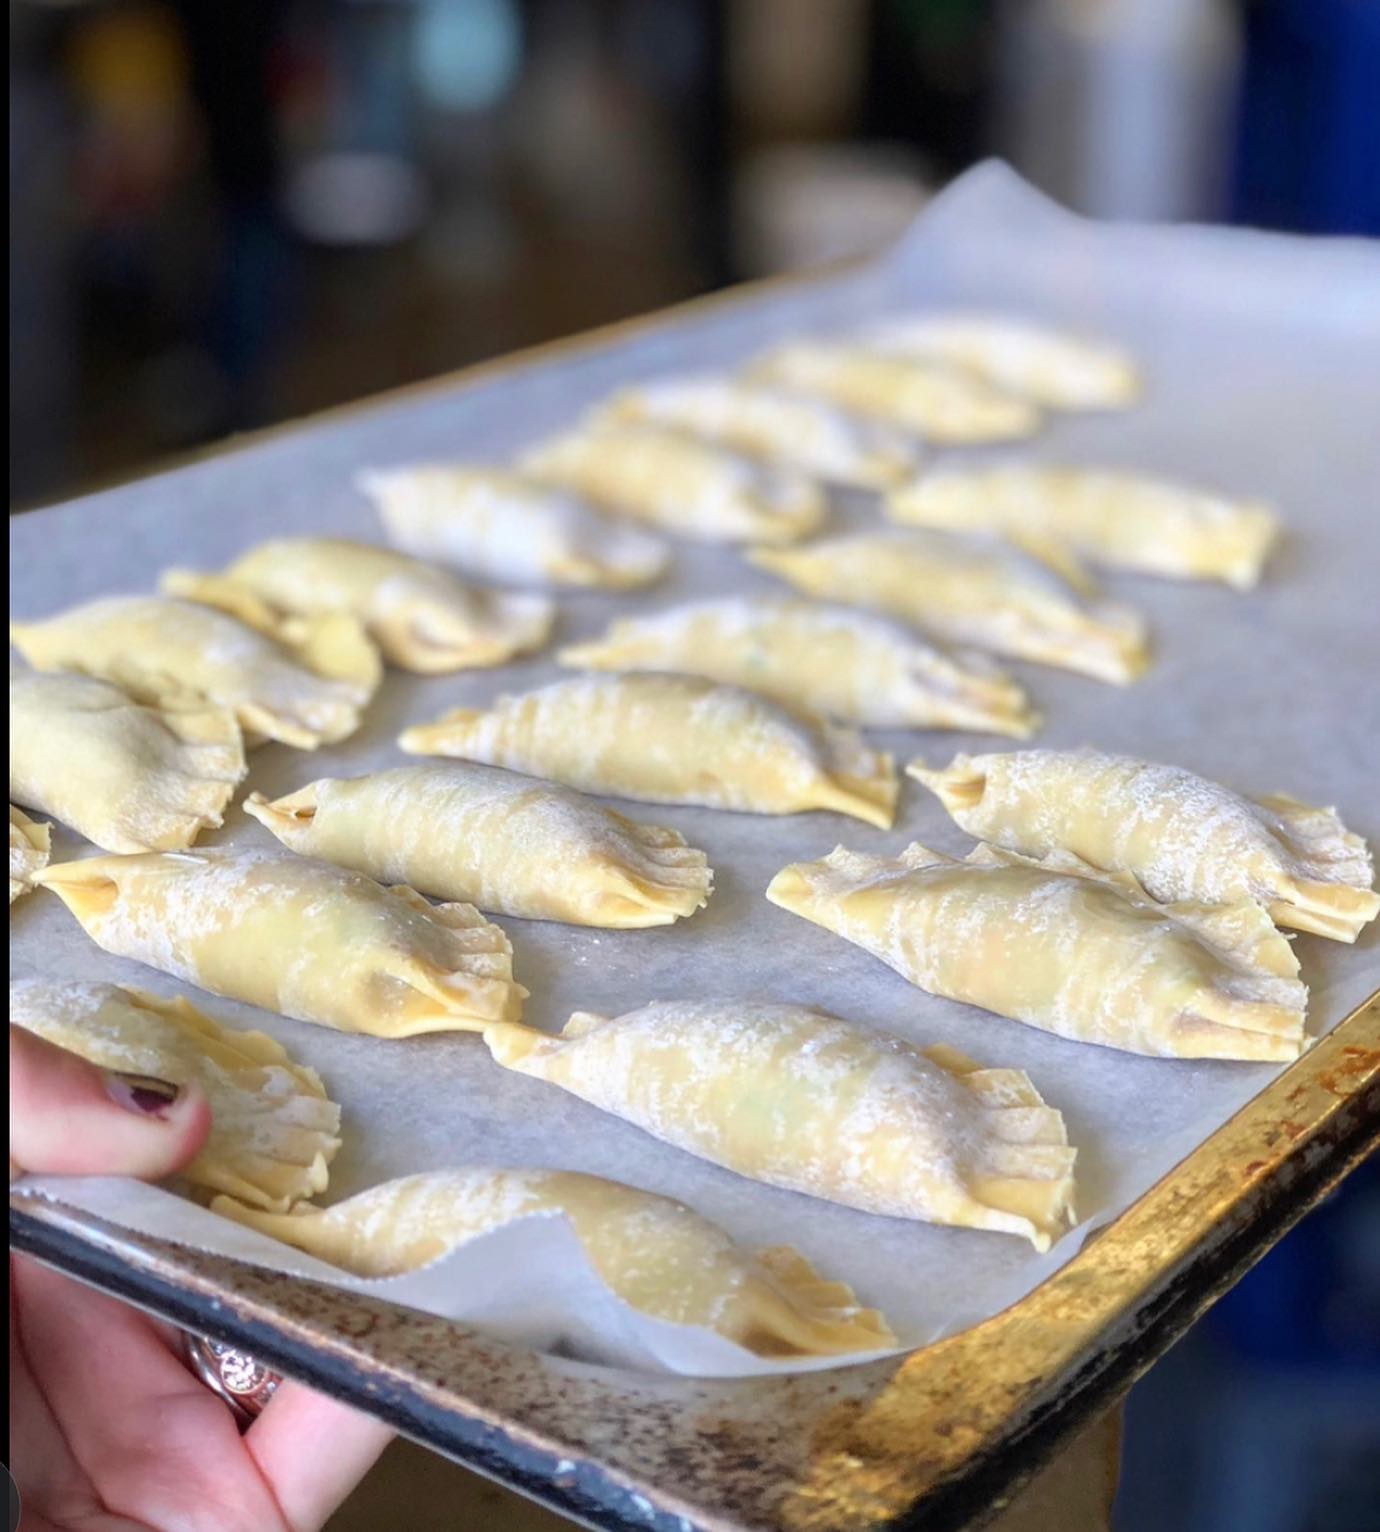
(141, 1093)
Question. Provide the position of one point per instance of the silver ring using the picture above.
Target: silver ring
(245, 1384)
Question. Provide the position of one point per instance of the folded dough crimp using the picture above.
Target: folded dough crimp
(1180, 835)
(671, 739)
(797, 1098)
(129, 776)
(659, 1256)
(296, 936)
(502, 525)
(1056, 944)
(832, 660)
(423, 619)
(30, 845)
(1060, 371)
(303, 681)
(1122, 520)
(273, 1128)
(776, 424)
(671, 481)
(938, 402)
(970, 589)
(495, 839)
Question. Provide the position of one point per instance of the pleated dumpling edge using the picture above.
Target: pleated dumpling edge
(1064, 947)
(504, 842)
(127, 775)
(30, 847)
(798, 1098)
(1183, 836)
(297, 936)
(274, 1129)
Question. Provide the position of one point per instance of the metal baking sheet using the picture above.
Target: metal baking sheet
(1260, 354)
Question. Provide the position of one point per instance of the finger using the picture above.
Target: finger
(67, 1117)
(40, 1457)
(285, 1441)
(156, 1445)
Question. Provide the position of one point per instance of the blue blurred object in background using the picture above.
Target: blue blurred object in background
(1308, 156)
(1266, 1416)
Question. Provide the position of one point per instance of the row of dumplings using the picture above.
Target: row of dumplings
(134, 776)
(1110, 900)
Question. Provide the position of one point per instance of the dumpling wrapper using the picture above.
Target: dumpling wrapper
(1122, 520)
(30, 847)
(831, 660)
(299, 937)
(797, 1098)
(423, 619)
(1050, 367)
(1180, 835)
(302, 681)
(939, 403)
(274, 1130)
(503, 526)
(497, 840)
(129, 776)
(774, 424)
(1062, 947)
(657, 1255)
(971, 589)
(673, 482)
(671, 739)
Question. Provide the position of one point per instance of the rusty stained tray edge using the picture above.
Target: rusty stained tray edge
(945, 1434)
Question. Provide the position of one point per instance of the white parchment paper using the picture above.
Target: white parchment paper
(1263, 359)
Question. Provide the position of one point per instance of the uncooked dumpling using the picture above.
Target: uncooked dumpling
(1122, 520)
(829, 659)
(273, 1128)
(504, 526)
(970, 589)
(296, 936)
(303, 681)
(1052, 368)
(671, 739)
(1181, 835)
(671, 481)
(30, 844)
(1075, 952)
(937, 402)
(423, 618)
(495, 839)
(658, 1256)
(775, 424)
(797, 1098)
(129, 776)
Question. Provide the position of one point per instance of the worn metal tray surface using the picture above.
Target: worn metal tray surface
(1258, 349)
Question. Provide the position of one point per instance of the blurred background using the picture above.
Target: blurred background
(225, 215)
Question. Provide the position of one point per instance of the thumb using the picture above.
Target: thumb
(69, 1117)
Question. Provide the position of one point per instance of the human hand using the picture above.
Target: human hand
(109, 1430)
